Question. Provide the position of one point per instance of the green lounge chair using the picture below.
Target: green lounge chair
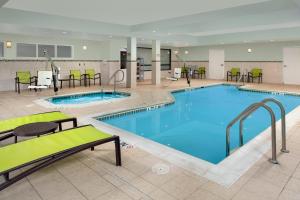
(234, 72)
(8, 125)
(201, 71)
(92, 75)
(32, 155)
(255, 73)
(25, 78)
(75, 75)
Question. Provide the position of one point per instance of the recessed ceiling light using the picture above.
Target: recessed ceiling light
(154, 31)
(249, 50)
(186, 52)
(64, 32)
(84, 47)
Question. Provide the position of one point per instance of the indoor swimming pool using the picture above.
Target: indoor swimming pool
(196, 123)
(86, 98)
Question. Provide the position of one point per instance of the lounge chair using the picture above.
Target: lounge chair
(200, 72)
(44, 80)
(234, 72)
(32, 155)
(8, 125)
(25, 78)
(255, 73)
(92, 75)
(75, 75)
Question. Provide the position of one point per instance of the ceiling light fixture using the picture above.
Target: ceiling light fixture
(8, 44)
(154, 31)
(64, 32)
(249, 50)
(84, 47)
(186, 52)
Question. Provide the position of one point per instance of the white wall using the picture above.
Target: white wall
(271, 51)
(96, 50)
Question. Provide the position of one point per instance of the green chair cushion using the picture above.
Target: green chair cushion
(91, 73)
(201, 70)
(9, 124)
(24, 77)
(234, 71)
(184, 70)
(21, 153)
(256, 72)
(76, 74)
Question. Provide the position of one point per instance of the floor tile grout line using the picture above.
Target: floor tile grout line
(34, 188)
(117, 177)
(70, 182)
(290, 177)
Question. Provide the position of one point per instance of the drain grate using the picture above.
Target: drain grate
(160, 169)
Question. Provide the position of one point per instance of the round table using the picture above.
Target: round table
(34, 129)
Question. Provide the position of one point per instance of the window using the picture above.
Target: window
(1, 49)
(26, 50)
(50, 49)
(165, 59)
(146, 54)
(64, 51)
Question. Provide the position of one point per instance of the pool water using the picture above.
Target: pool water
(196, 123)
(87, 97)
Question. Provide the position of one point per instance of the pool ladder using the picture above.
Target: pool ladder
(248, 111)
(114, 76)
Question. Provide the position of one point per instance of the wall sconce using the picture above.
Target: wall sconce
(249, 50)
(8, 44)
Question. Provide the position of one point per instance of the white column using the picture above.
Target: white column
(156, 62)
(131, 63)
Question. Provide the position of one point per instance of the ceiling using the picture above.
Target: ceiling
(177, 23)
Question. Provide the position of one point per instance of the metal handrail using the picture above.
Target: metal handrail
(283, 122)
(254, 107)
(115, 79)
(242, 116)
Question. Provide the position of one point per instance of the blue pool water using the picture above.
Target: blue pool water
(87, 97)
(196, 123)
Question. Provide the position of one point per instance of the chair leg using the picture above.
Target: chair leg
(118, 152)
(18, 87)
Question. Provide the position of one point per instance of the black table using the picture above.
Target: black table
(34, 129)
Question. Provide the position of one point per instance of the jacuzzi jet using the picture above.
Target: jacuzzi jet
(160, 169)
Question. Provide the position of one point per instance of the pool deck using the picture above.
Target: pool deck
(92, 175)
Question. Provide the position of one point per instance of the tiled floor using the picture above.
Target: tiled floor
(92, 175)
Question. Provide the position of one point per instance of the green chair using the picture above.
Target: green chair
(184, 71)
(255, 73)
(7, 126)
(19, 160)
(234, 72)
(201, 71)
(25, 78)
(75, 75)
(92, 75)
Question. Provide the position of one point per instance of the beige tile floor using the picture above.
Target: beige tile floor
(93, 176)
